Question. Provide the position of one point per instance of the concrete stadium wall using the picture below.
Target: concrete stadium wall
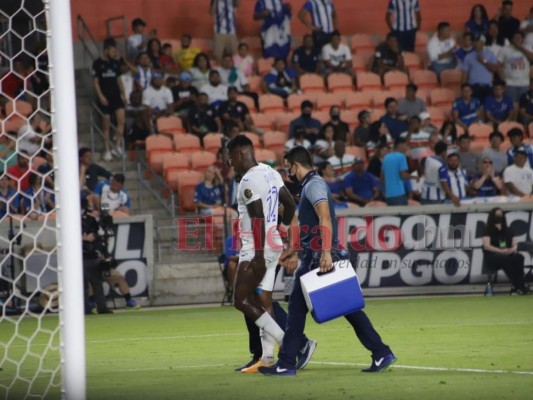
(191, 16)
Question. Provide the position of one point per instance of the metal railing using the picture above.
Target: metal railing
(91, 49)
(156, 186)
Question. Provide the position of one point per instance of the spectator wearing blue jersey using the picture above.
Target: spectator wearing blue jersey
(225, 36)
(208, 194)
(276, 27)
(478, 69)
(394, 172)
(499, 107)
(466, 109)
(9, 199)
(487, 183)
(478, 22)
(281, 80)
(361, 187)
(516, 136)
(436, 189)
(458, 179)
(320, 17)
(393, 120)
(404, 19)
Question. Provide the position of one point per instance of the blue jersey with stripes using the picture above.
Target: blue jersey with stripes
(321, 14)
(436, 172)
(404, 14)
(224, 11)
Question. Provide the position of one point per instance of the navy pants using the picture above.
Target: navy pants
(362, 326)
(406, 40)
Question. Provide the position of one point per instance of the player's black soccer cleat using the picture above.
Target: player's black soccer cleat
(253, 361)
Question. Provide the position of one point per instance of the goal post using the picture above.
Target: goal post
(70, 267)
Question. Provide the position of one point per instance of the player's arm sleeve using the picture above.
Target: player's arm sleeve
(316, 192)
(443, 173)
(250, 191)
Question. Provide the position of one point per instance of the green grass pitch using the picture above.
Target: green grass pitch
(447, 348)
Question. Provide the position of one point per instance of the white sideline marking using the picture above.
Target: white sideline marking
(443, 369)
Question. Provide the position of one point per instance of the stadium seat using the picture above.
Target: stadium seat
(338, 82)
(213, 142)
(248, 101)
(255, 84)
(451, 79)
(201, 160)
(425, 79)
(170, 125)
(361, 43)
(204, 44)
(412, 62)
(312, 83)
(481, 132)
(358, 100)
(187, 143)
(264, 65)
(294, 101)
(395, 80)
(266, 156)
(376, 203)
(421, 41)
(368, 81)
(322, 116)
(437, 116)
(175, 162)
(275, 140)
(379, 98)
(505, 127)
(283, 121)
(359, 63)
(19, 107)
(479, 147)
(442, 98)
(185, 183)
(270, 102)
(325, 101)
(254, 45)
(254, 138)
(262, 121)
(356, 151)
(156, 147)
(350, 117)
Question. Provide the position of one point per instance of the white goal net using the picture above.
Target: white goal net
(39, 299)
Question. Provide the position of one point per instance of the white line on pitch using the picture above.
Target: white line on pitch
(444, 369)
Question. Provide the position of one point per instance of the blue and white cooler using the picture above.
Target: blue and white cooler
(333, 294)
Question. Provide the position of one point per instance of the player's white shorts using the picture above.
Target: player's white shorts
(271, 261)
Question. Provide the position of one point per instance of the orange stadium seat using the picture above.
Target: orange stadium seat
(254, 45)
(412, 62)
(248, 101)
(356, 151)
(255, 83)
(270, 102)
(359, 63)
(283, 120)
(425, 79)
(170, 125)
(203, 44)
(395, 80)
(437, 116)
(368, 81)
(13, 123)
(275, 141)
(156, 147)
(201, 160)
(379, 98)
(185, 182)
(358, 100)
(187, 143)
(254, 138)
(338, 82)
(175, 162)
(264, 65)
(213, 142)
(266, 156)
(376, 203)
(442, 98)
(322, 116)
(263, 121)
(505, 127)
(451, 79)
(294, 101)
(361, 42)
(350, 117)
(325, 101)
(310, 83)
(479, 147)
(530, 129)
(421, 41)
(481, 132)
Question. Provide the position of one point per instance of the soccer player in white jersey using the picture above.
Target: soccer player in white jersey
(260, 192)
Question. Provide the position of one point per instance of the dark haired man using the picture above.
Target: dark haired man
(388, 56)
(317, 211)
(441, 49)
(436, 188)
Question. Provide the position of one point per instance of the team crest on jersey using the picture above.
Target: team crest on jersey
(247, 193)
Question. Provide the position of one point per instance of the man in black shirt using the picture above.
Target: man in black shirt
(110, 96)
(306, 58)
(507, 24)
(388, 56)
(90, 172)
(341, 128)
(184, 95)
(202, 117)
(235, 111)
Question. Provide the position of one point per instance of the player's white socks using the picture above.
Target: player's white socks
(270, 326)
(268, 344)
